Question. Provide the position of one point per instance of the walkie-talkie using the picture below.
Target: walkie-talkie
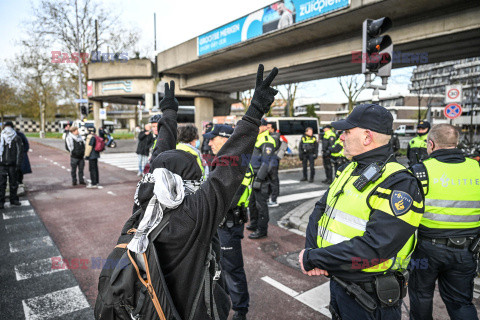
(370, 174)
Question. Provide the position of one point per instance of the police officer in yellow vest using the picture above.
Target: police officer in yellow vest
(263, 160)
(362, 232)
(417, 147)
(337, 154)
(448, 230)
(328, 141)
(308, 152)
(187, 138)
(231, 229)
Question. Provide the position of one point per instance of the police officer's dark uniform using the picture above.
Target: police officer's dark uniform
(417, 147)
(328, 140)
(274, 188)
(263, 160)
(366, 237)
(337, 154)
(450, 225)
(308, 152)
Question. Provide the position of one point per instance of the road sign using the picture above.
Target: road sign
(453, 93)
(81, 100)
(452, 111)
(103, 114)
(89, 88)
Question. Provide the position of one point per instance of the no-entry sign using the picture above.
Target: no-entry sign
(452, 111)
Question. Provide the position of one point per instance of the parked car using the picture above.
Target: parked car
(406, 130)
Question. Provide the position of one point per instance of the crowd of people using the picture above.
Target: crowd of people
(379, 231)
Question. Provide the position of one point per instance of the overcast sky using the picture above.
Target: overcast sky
(179, 21)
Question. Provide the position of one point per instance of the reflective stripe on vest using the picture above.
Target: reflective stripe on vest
(307, 139)
(347, 216)
(419, 142)
(340, 153)
(265, 137)
(192, 150)
(453, 198)
(247, 182)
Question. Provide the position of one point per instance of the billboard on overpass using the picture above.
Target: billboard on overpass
(276, 16)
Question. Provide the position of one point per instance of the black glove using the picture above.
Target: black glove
(264, 95)
(169, 101)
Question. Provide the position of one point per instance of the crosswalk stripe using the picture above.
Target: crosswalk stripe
(286, 182)
(23, 203)
(55, 304)
(28, 244)
(36, 268)
(300, 196)
(23, 227)
(18, 214)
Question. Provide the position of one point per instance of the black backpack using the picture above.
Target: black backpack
(78, 149)
(126, 289)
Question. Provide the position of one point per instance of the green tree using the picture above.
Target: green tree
(8, 100)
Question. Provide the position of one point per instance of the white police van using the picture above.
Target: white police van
(292, 129)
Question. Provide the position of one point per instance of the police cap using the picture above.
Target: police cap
(423, 125)
(367, 116)
(155, 118)
(222, 130)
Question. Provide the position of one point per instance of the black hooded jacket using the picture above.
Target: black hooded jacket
(185, 242)
(13, 154)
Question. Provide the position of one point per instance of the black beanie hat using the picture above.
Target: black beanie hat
(179, 162)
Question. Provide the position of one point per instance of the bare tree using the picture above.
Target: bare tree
(56, 23)
(288, 92)
(8, 103)
(351, 86)
(246, 98)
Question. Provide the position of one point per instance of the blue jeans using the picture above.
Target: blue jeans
(455, 270)
(142, 161)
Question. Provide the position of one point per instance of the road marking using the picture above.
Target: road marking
(23, 203)
(297, 169)
(69, 170)
(55, 163)
(63, 167)
(112, 193)
(300, 196)
(23, 227)
(36, 268)
(317, 298)
(285, 182)
(281, 287)
(55, 304)
(29, 244)
(18, 214)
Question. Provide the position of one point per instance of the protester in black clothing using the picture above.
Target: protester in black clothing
(274, 184)
(11, 158)
(145, 142)
(76, 146)
(25, 168)
(308, 152)
(185, 242)
(92, 156)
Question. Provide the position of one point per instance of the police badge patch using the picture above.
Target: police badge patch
(268, 151)
(400, 202)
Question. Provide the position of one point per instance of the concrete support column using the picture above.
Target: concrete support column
(203, 111)
(148, 101)
(96, 114)
(131, 124)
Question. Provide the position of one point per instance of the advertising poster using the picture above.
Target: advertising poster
(274, 17)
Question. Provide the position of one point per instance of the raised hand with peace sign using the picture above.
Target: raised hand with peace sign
(264, 95)
(169, 101)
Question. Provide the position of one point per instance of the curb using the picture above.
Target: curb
(294, 218)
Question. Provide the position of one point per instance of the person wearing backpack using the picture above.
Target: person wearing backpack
(76, 147)
(186, 253)
(93, 147)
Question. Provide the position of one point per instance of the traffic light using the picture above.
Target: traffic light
(90, 108)
(83, 110)
(377, 49)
